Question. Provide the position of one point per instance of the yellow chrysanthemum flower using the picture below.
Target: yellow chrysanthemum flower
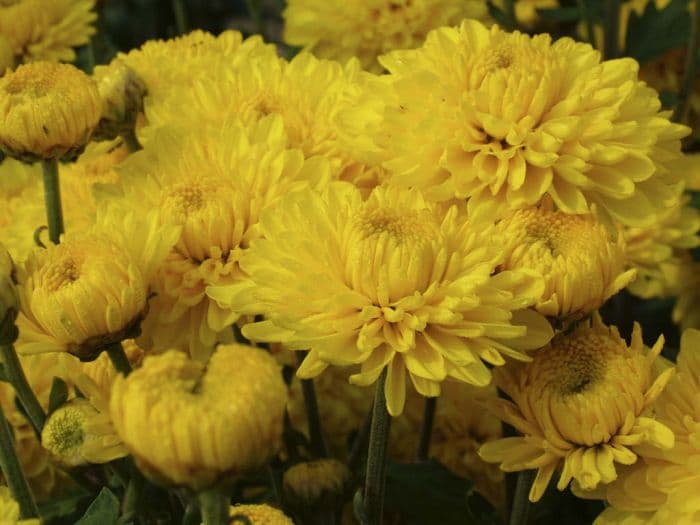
(659, 251)
(582, 404)
(229, 414)
(260, 515)
(663, 488)
(213, 184)
(388, 282)
(305, 93)
(47, 29)
(165, 64)
(49, 111)
(77, 433)
(504, 119)
(321, 483)
(91, 290)
(368, 28)
(581, 264)
(122, 92)
(9, 510)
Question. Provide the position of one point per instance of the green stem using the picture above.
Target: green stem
(12, 471)
(181, 24)
(213, 505)
(131, 499)
(681, 110)
(52, 199)
(15, 375)
(521, 502)
(119, 360)
(588, 21)
(612, 29)
(318, 444)
(132, 143)
(375, 477)
(360, 442)
(426, 430)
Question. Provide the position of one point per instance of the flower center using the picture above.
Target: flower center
(67, 431)
(577, 365)
(401, 227)
(60, 273)
(501, 57)
(186, 198)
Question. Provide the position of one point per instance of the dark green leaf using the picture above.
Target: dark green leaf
(58, 395)
(104, 510)
(657, 30)
(63, 507)
(3, 376)
(560, 14)
(430, 493)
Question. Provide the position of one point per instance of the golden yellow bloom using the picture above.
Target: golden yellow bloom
(663, 488)
(582, 404)
(659, 252)
(47, 29)
(368, 28)
(388, 282)
(322, 482)
(77, 433)
(122, 92)
(9, 510)
(49, 111)
(581, 264)
(260, 515)
(228, 420)
(91, 290)
(504, 119)
(7, 56)
(305, 93)
(165, 64)
(212, 184)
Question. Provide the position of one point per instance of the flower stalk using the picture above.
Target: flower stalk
(213, 505)
(52, 199)
(15, 375)
(612, 29)
(426, 430)
(12, 471)
(119, 359)
(521, 504)
(318, 444)
(375, 477)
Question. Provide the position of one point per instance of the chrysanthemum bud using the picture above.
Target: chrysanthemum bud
(188, 424)
(49, 111)
(323, 483)
(77, 434)
(258, 515)
(122, 91)
(9, 302)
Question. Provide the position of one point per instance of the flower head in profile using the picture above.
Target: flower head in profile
(510, 118)
(259, 515)
(213, 185)
(663, 487)
(582, 405)
(391, 282)
(368, 28)
(91, 290)
(229, 414)
(582, 265)
(9, 510)
(47, 29)
(49, 111)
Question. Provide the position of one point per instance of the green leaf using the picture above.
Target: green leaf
(560, 14)
(104, 510)
(58, 395)
(63, 507)
(430, 493)
(3, 375)
(657, 30)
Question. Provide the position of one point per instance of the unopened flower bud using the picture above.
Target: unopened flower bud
(122, 92)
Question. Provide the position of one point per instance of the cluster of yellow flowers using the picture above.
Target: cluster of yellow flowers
(418, 200)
